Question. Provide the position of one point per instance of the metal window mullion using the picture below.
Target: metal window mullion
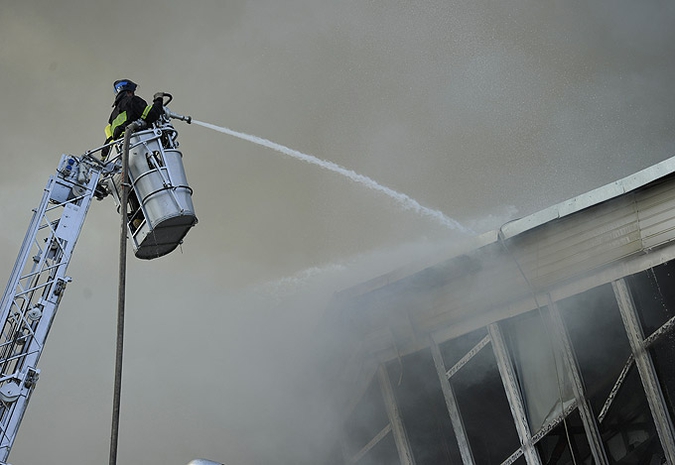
(372, 443)
(643, 361)
(513, 457)
(551, 424)
(587, 418)
(451, 404)
(344, 450)
(615, 389)
(659, 333)
(513, 395)
(400, 437)
(467, 357)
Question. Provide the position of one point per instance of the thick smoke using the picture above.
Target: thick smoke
(473, 109)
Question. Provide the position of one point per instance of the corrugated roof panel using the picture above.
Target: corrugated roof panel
(595, 252)
(579, 243)
(573, 230)
(656, 213)
(494, 283)
(580, 237)
(589, 199)
(547, 255)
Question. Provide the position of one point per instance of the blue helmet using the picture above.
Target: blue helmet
(124, 84)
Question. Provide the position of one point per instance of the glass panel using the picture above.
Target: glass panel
(384, 453)
(628, 430)
(663, 357)
(566, 444)
(422, 406)
(454, 350)
(335, 457)
(599, 340)
(654, 296)
(539, 366)
(601, 347)
(482, 402)
(368, 418)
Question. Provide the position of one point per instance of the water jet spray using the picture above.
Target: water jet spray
(403, 200)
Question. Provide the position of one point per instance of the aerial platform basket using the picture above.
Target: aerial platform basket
(160, 199)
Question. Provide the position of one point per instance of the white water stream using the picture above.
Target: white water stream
(402, 199)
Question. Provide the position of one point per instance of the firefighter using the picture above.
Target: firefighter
(127, 108)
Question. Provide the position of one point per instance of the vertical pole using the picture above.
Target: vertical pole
(121, 291)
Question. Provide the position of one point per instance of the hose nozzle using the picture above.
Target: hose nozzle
(187, 119)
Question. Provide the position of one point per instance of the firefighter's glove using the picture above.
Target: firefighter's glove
(140, 124)
(158, 95)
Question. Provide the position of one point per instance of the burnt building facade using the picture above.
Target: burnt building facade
(548, 341)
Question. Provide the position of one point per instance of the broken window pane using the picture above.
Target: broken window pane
(481, 400)
(539, 366)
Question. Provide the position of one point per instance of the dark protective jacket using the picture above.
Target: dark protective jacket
(127, 109)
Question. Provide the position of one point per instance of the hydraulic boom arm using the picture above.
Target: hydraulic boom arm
(37, 283)
(161, 214)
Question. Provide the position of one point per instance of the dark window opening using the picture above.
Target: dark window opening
(539, 367)
(423, 409)
(628, 431)
(566, 444)
(602, 349)
(366, 421)
(654, 296)
(335, 456)
(663, 357)
(455, 349)
(384, 453)
(483, 404)
(599, 340)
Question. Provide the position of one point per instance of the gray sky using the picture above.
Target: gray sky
(484, 110)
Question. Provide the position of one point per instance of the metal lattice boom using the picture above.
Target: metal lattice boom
(36, 286)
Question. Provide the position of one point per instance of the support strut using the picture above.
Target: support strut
(121, 292)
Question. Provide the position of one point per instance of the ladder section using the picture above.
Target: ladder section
(36, 286)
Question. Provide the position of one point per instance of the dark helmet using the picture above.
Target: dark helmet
(124, 84)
